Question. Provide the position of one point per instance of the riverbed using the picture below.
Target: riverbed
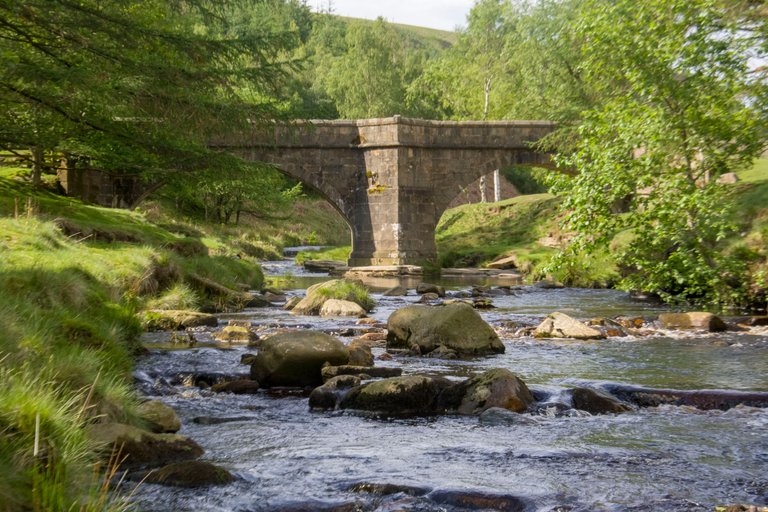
(664, 458)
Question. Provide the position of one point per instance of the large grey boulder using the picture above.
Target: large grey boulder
(295, 358)
(398, 396)
(560, 325)
(495, 388)
(455, 326)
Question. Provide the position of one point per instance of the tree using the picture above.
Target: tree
(674, 114)
(365, 78)
(133, 86)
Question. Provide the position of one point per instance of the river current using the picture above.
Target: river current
(665, 458)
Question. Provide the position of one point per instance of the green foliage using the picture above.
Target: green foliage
(134, 87)
(647, 157)
(527, 180)
(333, 253)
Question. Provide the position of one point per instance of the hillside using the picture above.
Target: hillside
(429, 36)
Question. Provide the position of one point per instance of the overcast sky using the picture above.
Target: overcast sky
(442, 14)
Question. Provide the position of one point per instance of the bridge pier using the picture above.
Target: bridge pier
(392, 178)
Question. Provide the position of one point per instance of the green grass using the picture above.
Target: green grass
(332, 253)
(756, 174)
(73, 276)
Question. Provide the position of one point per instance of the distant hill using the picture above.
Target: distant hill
(429, 36)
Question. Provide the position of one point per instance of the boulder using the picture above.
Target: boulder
(597, 402)
(160, 418)
(495, 388)
(694, 320)
(142, 448)
(559, 325)
(336, 307)
(399, 396)
(424, 288)
(194, 473)
(729, 178)
(456, 326)
(295, 358)
(236, 334)
(176, 320)
(360, 355)
(237, 387)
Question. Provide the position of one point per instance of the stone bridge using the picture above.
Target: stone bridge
(393, 178)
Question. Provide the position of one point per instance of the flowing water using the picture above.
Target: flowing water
(654, 459)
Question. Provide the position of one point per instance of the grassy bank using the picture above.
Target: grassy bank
(73, 277)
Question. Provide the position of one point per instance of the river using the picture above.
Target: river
(663, 458)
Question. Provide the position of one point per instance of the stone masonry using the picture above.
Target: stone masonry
(392, 178)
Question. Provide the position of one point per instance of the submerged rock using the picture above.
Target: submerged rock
(140, 447)
(237, 387)
(160, 418)
(494, 388)
(560, 325)
(455, 326)
(194, 473)
(399, 396)
(498, 416)
(704, 399)
(694, 320)
(478, 500)
(295, 358)
(371, 372)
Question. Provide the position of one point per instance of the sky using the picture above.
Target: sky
(440, 14)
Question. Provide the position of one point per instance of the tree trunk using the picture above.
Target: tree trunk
(37, 165)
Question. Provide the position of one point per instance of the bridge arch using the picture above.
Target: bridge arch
(392, 179)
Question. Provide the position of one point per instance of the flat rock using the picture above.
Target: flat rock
(237, 387)
(694, 320)
(560, 325)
